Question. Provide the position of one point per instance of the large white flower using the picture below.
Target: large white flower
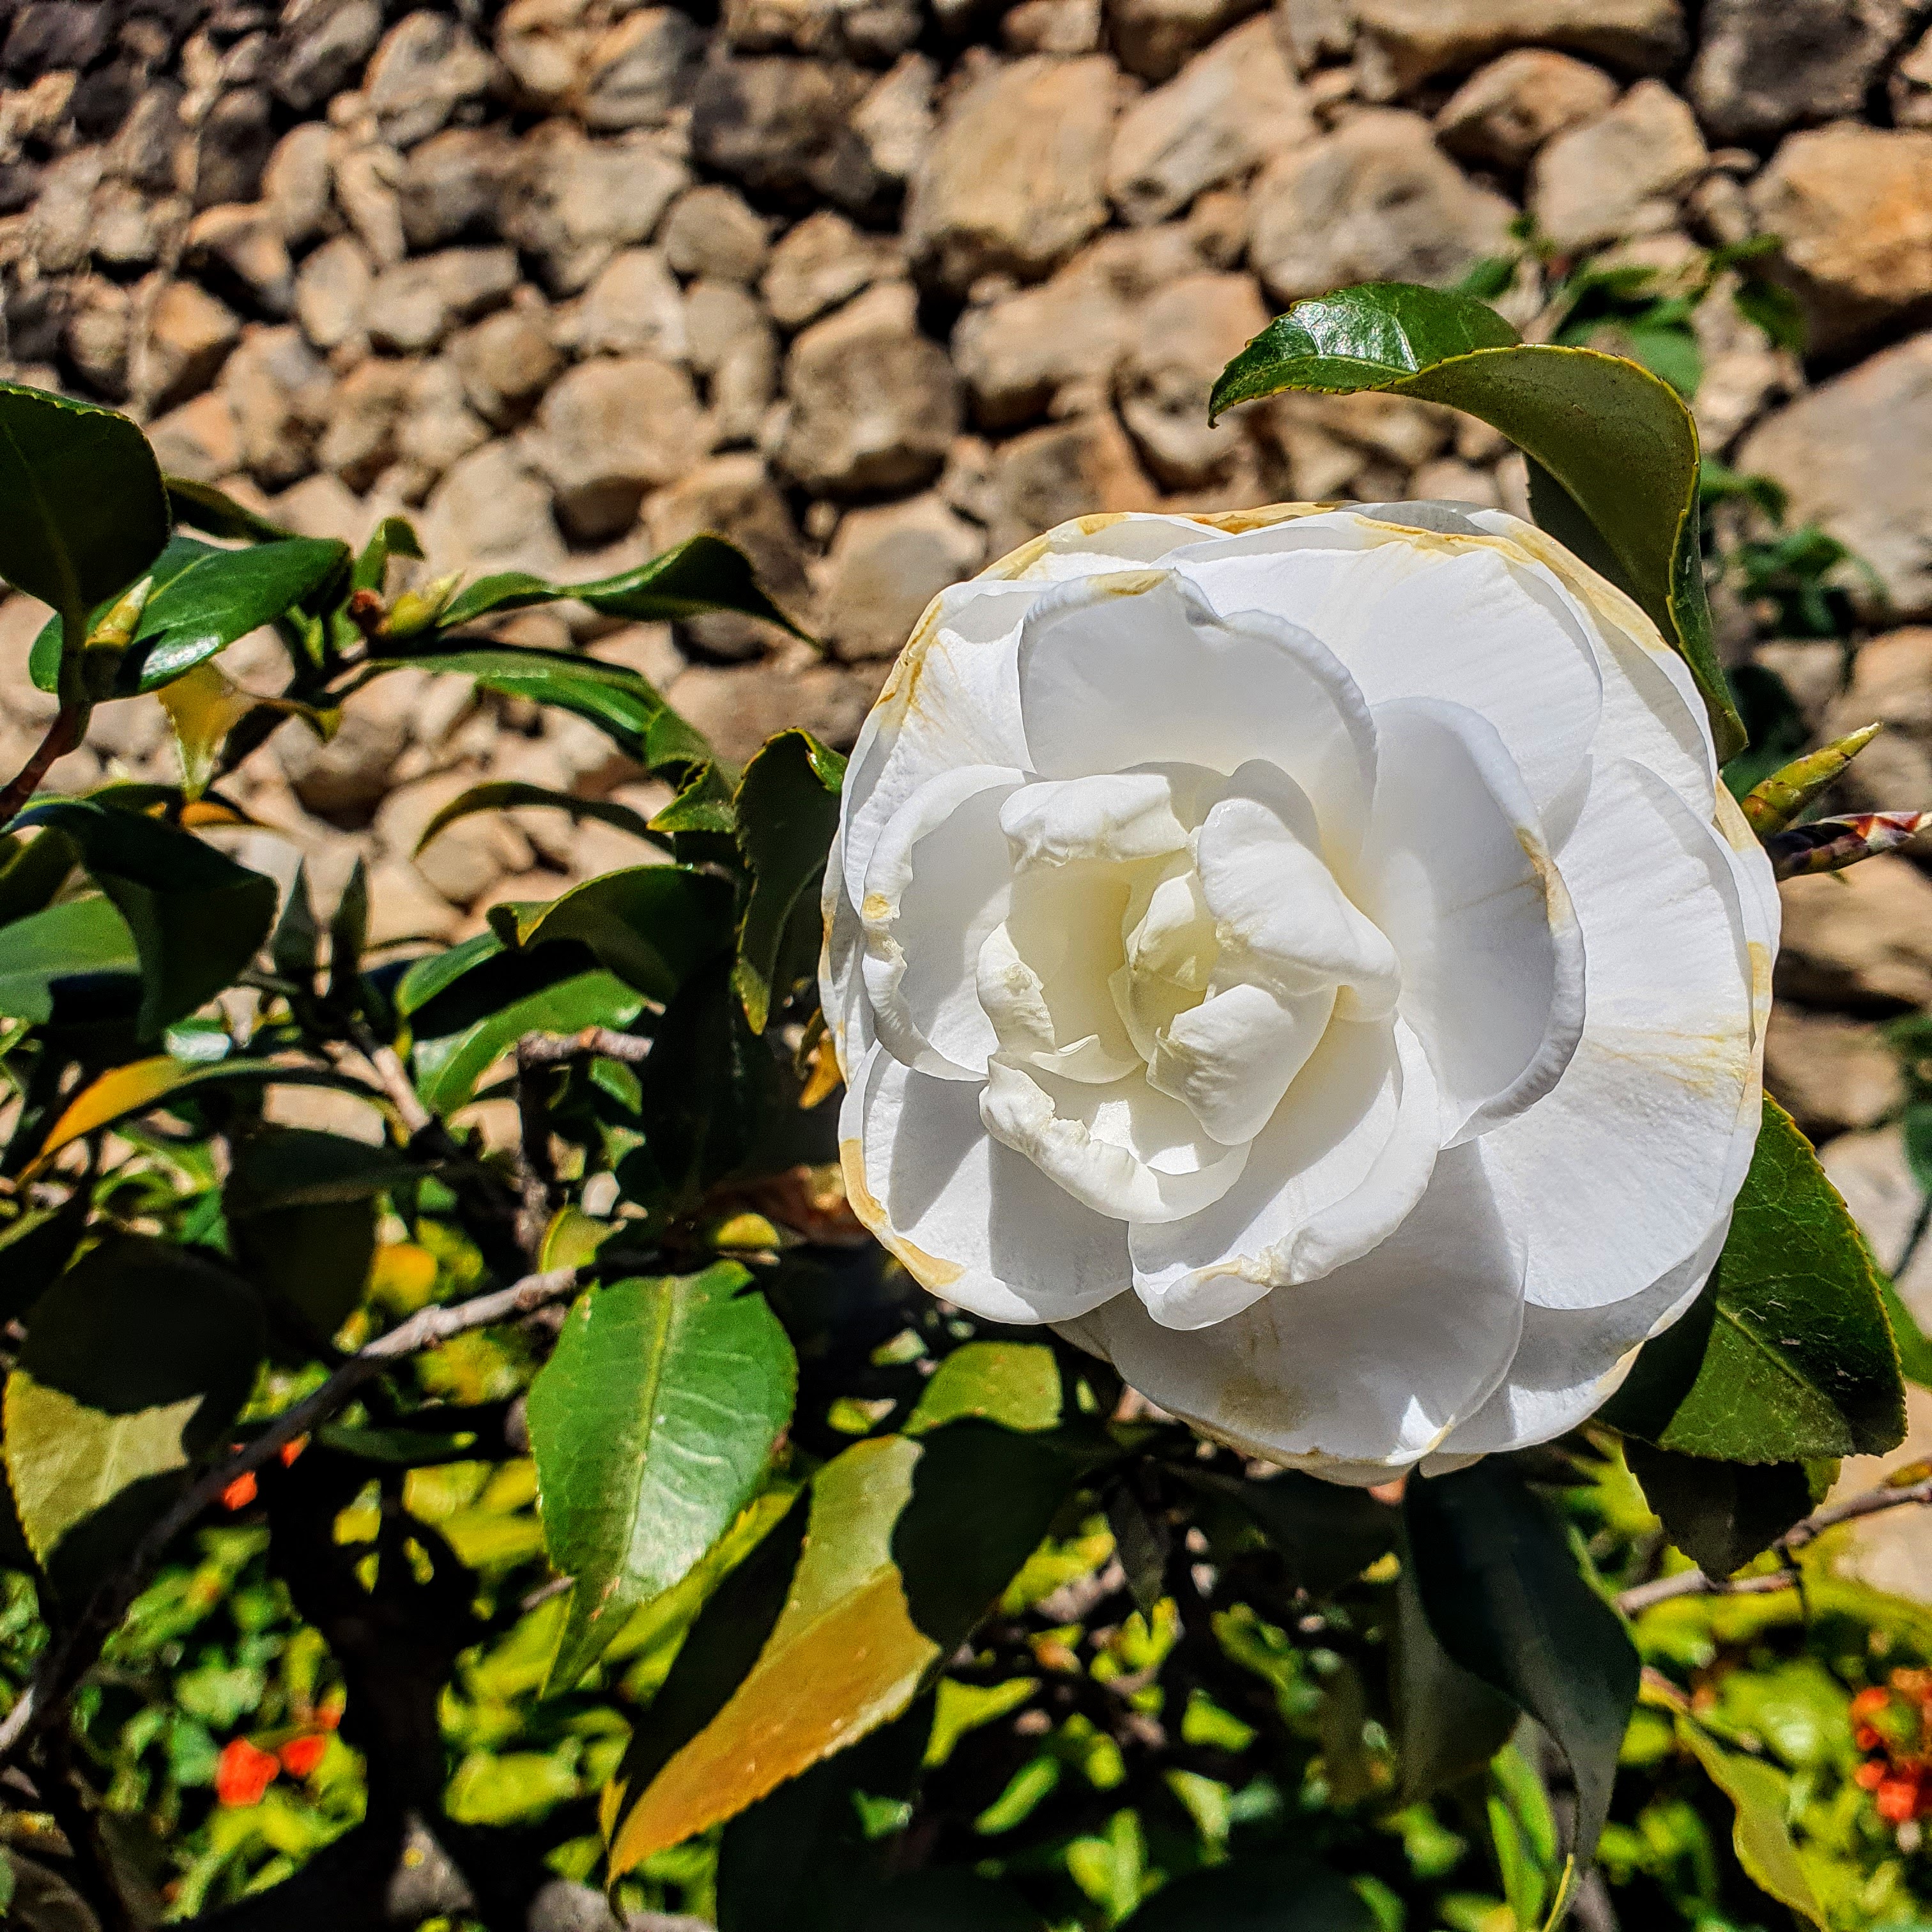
(1306, 956)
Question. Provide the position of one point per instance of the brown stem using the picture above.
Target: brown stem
(63, 735)
(63, 1666)
(1888, 1495)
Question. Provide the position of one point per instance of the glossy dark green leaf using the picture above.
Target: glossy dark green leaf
(1278, 1892)
(1719, 1514)
(82, 513)
(1327, 1534)
(202, 507)
(652, 1425)
(621, 704)
(197, 918)
(786, 809)
(1915, 1347)
(348, 935)
(294, 947)
(709, 1088)
(1447, 1724)
(32, 872)
(1614, 445)
(304, 1167)
(436, 972)
(204, 599)
(704, 573)
(448, 1068)
(1787, 1355)
(135, 1364)
(83, 935)
(1499, 1583)
(508, 794)
(653, 926)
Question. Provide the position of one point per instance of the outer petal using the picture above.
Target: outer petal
(1624, 1169)
(938, 882)
(1455, 871)
(1339, 1168)
(1416, 601)
(970, 1219)
(1359, 1374)
(1135, 669)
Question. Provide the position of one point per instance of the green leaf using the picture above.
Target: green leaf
(1787, 1355)
(84, 935)
(653, 926)
(436, 972)
(1499, 1584)
(1015, 1384)
(1448, 1724)
(786, 810)
(196, 917)
(448, 1068)
(348, 935)
(652, 1425)
(908, 1545)
(1613, 449)
(950, 1900)
(135, 1362)
(203, 599)
(1719, 1514)
(623, 706)
(294, 947)
(1760, 1833)
(394, 536)
(33, 871)
(82, 513)
(202, 507)
(1327, 1534)
(1915, 1349)
(1278, 1892)
(704, 573)
(507, 794)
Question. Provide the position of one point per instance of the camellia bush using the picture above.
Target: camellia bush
(1302, 1347)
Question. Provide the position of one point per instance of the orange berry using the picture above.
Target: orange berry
(300, 1755)
(1897, 1799)
(240, 1493)
(243, 1772)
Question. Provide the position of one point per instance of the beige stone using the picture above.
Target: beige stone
(886, 564)
(359, 442)
(1067, 469)
(738, 708)
(1862, 938)
(542, 45)
(1891, 684)
(1182, 339)
(732, 342)
(465, 860)
(281, 394)
(1619, 174)
(821, 262)
(1425, 37)
(198, 440)
(894, 119)
(366, 177)
(239, 244)
(1506, 111)
(505, 363)
(632, 307)
(296, 182)
(1759, 69)
(1052, 350)
(573, 203)
(428, 66)
(1830, 1073)
(1853, 209)
(874, 404)
(189, 336)
(322, 506)
(1229, 110)
(450, 188)
(636, 72)
(1376, 201)
(412, 306)
(713, 231)
(734, 497)
(332, 293)
(610, 430)
(492, 512)
(1855, 455)
(1153, 38)
(1015, 180)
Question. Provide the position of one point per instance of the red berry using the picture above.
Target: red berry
(244, 1773)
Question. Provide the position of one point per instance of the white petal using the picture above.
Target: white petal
(1359, 1374)
(1042, 978)
(938, 882)
(841, 986)
(1123, 1150)
(1266, 882)
(1624, 1167)
(1341, 1164)
(952, 699)
(1118, 816)
(1455, 871)
(1455, 614)
(1130, 669)
(970, 1219)
(1230, 1059)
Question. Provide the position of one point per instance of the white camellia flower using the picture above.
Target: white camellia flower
(1307, 957)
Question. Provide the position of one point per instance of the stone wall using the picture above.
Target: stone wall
(881, 287)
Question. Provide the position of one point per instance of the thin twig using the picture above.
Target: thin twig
(393, 1077)
(1888, 1495)
(64, 1665)
(62, 735)
(538, 1055)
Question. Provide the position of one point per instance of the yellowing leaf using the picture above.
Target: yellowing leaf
(66, 1460)
(203, 706)
(124, 1091)
(1765, 1846)
(844, 1657)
